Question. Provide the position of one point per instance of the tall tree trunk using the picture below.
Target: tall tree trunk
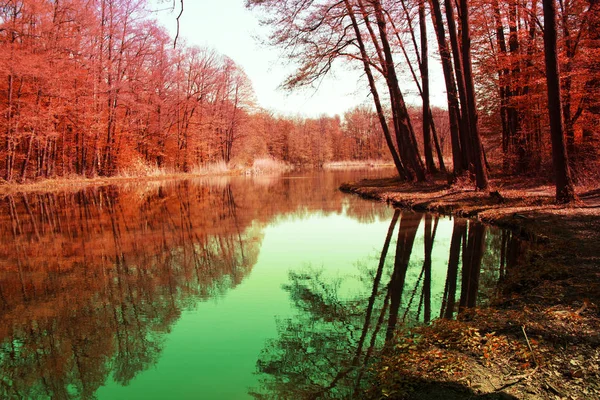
(451, 92)
(429, 114)
(481, 175)
(503, 78)
(402, 123)
(565, 192)
(465, 136)
(431, 121)
(567, 81)
(591, 103)
(519, 139)
(8, 133)
(424, 66)
(380, 113)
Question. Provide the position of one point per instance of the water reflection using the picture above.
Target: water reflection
(440, 267)
(91, 285)
(92, 281)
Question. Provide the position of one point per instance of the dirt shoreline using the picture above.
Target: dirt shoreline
(540, 338)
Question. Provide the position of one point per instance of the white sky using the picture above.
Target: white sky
(231, 29)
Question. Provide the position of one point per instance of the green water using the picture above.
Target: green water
(219, 289)
(211, 351)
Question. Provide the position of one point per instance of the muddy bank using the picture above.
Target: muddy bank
(540, 337)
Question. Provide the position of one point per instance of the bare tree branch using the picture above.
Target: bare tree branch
(178, 18)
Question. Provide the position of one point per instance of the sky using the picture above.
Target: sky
(232, 30)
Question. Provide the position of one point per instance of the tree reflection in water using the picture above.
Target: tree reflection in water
(325, 350)
(91, 281)
(83, 296)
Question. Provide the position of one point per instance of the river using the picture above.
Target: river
(224, 288)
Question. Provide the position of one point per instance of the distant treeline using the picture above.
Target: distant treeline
(96, 88)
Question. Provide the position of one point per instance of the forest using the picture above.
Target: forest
(98, 88)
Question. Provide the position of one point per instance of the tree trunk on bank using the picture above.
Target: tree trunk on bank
(562, 174)
(405, 134)
(424, 66)
(481, 175)
(463, 116)
(380, 114)
(451, 92)
(503, 78)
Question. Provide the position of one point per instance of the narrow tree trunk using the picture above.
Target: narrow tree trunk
(503, 76)
(424, 66)
(533, 143)
(451, 92)
(565, 192)
(567, 82)
(465, 135)
(481, 175)
(380, 113)
(27, 157)
(399, 110)
(436, 141)
(591, 103)
(415, 78)
(519, 140)
(8, 133)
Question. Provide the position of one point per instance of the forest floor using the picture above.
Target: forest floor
(540, 338)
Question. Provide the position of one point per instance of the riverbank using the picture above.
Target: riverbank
(540, 337)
